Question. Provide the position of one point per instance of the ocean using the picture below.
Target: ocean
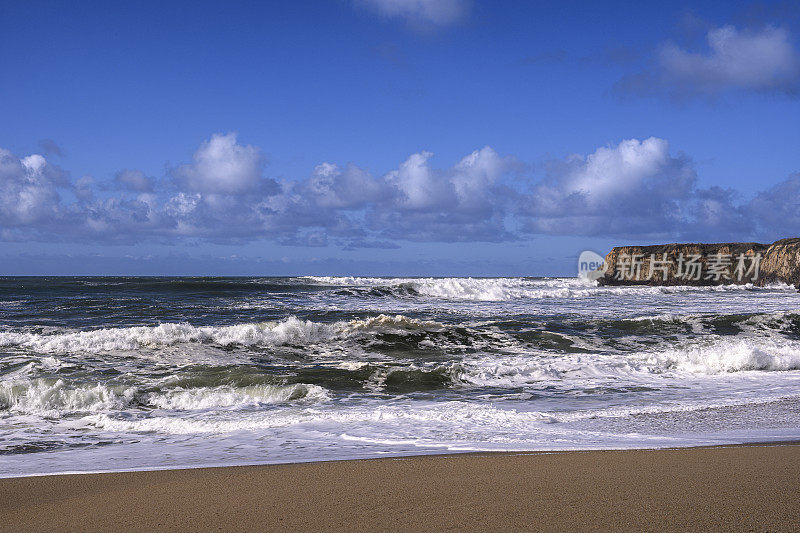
(109, 374)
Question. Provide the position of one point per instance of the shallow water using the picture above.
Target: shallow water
(130, 373)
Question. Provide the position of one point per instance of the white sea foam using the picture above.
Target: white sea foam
(224, 396)
(446, 414)
(389, 324)
(48, 396)
(501, 289)
(709, 355)
(290, 331)
(703, 358)
(431, 422)
(734, 355)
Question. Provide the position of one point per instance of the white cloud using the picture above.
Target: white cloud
(634, 186)
(223, 166)
(760, 61)
(333, 188)
(420, 188)
(461, 203)
(467, 186)
(420, 12)
(613, 172)
(28, 190)
(475, 175)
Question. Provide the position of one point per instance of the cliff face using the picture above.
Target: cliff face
(704, 264)
(782, 263)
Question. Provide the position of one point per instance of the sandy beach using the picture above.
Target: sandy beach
(744, 488)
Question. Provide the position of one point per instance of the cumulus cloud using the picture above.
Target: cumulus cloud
(330, 187)
(465, 188)
(636, 188)
(462, 203)
(419, 188)
(223, 166)
(419, 12)
(29, 191)
(759, 61)
(412, 202)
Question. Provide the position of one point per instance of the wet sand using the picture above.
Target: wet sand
(733, 488)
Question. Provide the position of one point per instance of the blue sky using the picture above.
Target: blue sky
(389, 136)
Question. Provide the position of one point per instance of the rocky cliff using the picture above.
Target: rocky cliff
(782, 263)
(704, 264)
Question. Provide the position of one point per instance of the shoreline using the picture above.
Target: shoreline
(740, 486)
(387, 457)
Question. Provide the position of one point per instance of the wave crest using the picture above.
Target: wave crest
(216, 397)
(503, 289)
(55, 396)
(730, 356)
(391, 324)
(289, 331)
(48, 397)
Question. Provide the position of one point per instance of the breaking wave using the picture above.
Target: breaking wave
(502, 289)
(535, 374)
(505, 353)
(252, 396)
(42, 396)
(579, 373)
(53, 397)
(290, 331)
(734, 355)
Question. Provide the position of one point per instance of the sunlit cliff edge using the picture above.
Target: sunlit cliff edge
(704, 264)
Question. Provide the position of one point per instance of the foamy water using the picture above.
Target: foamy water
(132, 373)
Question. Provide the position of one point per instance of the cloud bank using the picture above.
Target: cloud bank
(635, 189)
(756, 61)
